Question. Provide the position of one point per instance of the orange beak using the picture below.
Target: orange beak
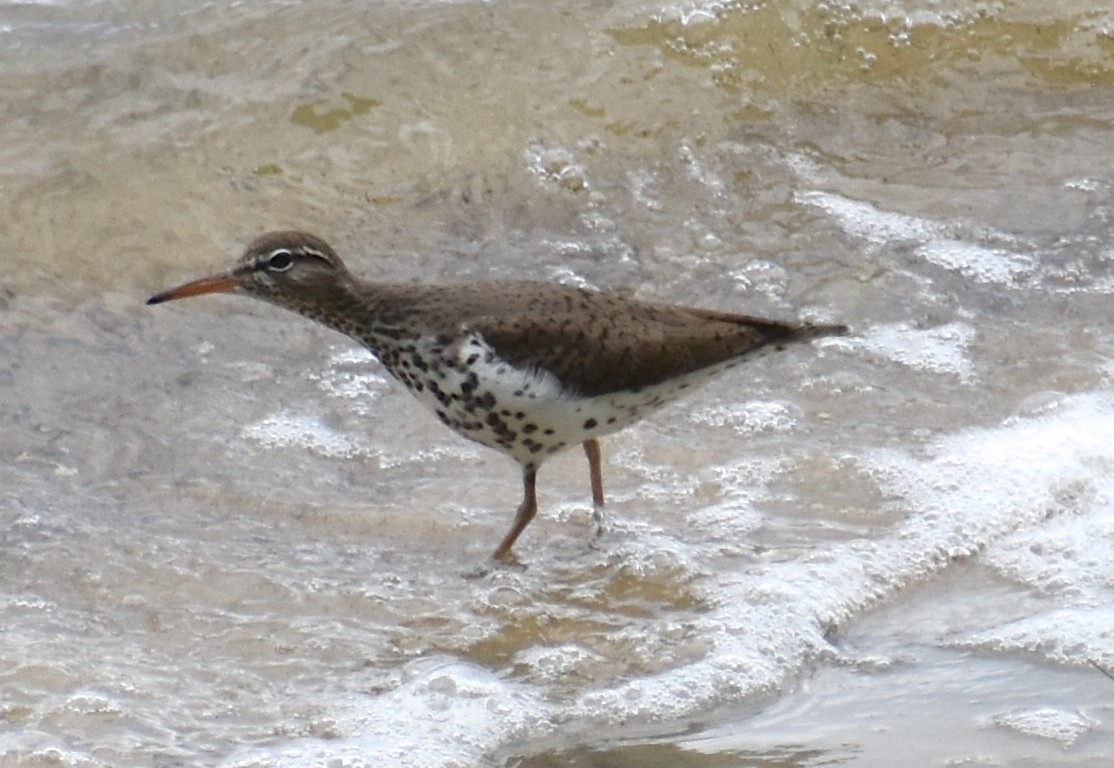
(225, 282)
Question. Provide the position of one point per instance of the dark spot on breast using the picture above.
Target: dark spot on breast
(440, 394)
(590, 424)
(528, 429)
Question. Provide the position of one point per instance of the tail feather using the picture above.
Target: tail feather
(809, 331)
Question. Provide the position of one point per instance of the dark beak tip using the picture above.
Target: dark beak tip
(222, 283)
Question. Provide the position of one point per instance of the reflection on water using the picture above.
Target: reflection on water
(229, 538)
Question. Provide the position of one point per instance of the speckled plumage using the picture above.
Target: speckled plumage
(527, 368)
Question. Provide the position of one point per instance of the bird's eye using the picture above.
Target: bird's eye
(280, 261)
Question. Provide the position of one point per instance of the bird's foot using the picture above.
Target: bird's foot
(600, 521)
(493, 565)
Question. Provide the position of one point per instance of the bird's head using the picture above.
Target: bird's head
(287, 268)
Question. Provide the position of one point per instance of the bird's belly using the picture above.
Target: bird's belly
(528, 414)
(529, 429)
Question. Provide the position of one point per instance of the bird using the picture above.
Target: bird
(527, 368)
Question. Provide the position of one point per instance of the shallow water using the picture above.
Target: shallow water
(228, 538)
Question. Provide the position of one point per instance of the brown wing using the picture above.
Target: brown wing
(597, 342)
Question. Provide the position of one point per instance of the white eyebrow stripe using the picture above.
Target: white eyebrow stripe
(298, 250)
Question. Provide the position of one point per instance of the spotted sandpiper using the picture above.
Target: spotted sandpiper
(526, 368)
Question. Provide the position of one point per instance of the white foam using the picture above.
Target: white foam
(350, 355)
(1047, 723)
(1070, 559)
(868, 222)
(997, 266)
(979, 487)
(287, 428)
(352, 374)
(1084, 184)
(1077, 635)
(1102, 286)
(986, 265)
(750, 418)
(24, 746)
(444, 713)
(554, 664)
(982, 490)
(940, 350)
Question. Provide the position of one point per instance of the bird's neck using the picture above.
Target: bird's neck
(373, 314)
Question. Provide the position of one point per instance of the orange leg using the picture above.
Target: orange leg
(592, 451)
(526, 511)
